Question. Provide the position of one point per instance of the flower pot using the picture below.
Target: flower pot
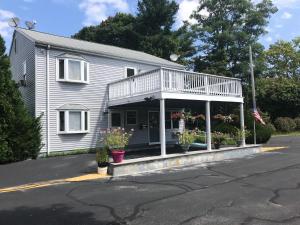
(185, 148)
(102, 170)
(217, 145)
(118, 155)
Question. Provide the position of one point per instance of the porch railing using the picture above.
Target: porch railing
(177, 81)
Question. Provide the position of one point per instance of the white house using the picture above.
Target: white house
(79, 88)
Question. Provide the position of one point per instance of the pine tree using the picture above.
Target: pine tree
(20, 136)
(226, 31)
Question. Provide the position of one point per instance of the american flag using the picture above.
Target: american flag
(257, 117)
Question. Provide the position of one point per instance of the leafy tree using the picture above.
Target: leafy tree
(149, 31)
(20, 136)
(224, 36)
(279, 96)
(117, 30)
(283, 59)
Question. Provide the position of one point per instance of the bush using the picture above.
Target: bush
(263, 134)
(297, 122)
(20, 136)
(225, 128)
(285, 124)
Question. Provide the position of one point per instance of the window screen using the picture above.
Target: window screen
(116, 119)
(74, 70)
(130, 72)
(131, 118)
(75, 121)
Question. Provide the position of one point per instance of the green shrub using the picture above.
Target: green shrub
(225, 128)
(20, 133)
(285, 124)
(297, 122)
(102, 156)
(263, 134)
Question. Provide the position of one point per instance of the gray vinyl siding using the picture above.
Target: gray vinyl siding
(25, 51)
(92, 95)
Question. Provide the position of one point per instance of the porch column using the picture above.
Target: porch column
(208, 129)
(242, 123)
(162, 129)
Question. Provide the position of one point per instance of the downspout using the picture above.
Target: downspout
(47, 99)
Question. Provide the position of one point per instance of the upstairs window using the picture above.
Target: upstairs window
(72, 70)
(130, 71)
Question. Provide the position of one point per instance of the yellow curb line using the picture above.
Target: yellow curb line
(268, 149)
(52, 182)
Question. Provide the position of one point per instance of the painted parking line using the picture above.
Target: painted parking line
(268, 149)
(52, 183)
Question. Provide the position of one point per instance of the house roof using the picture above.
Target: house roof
(95, 48)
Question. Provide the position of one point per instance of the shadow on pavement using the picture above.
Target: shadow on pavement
(56, 214)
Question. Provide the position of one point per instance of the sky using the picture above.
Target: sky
(66, 17)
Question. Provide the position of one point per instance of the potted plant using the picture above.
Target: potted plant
(238, 136)
(218, 139)
(186, 138)
(102, 160)
(117, 139)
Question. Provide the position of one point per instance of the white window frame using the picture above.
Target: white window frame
(24, 65)
(136, 117)
(128, 67)
(66, 114)
(66, 71)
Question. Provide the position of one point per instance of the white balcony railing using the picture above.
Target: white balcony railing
(177, 81)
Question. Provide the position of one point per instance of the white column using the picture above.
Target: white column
(242, 123)
(208, 129)
(162, 129)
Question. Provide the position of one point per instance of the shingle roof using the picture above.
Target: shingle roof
(101, 49)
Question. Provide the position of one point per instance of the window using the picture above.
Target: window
(73, 121)
(171, 123)
(24, 70)
(130, 71)
(116, 120)
(72, 70)
(131, 118)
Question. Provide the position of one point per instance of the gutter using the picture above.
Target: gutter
(47, 99)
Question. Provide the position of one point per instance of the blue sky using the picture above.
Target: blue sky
(66, 17)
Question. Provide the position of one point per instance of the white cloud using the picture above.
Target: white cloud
(269, 39)
(286, 15)
(186, 8)
(5, 29)
(287, 3)
(278, 25)
(98, 10)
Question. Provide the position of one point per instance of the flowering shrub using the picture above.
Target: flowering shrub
(218, 138)
(116, 138)
(187, 137)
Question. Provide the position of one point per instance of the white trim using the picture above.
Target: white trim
(66, 71)
(47, 99)
(136, 117)
(129, 67)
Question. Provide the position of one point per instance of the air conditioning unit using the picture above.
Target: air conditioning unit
(23, 83)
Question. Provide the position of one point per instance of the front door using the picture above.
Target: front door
(153, 127)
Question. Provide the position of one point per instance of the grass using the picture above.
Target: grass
(294, 133)
(71, 152)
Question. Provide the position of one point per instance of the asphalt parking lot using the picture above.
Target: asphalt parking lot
(261, 189)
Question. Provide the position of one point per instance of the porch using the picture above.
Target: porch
(158, 92)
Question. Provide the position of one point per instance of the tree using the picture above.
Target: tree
(117, 30)
(20, 136)
(224, 36)
(149, 31)
(279, 96)
(283, 59)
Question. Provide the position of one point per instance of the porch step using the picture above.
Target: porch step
(150, 164)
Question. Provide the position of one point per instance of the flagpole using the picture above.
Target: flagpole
(253, 92)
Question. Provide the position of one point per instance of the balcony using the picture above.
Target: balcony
(175, 84)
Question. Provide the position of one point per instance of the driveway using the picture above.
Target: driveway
(258, 190)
